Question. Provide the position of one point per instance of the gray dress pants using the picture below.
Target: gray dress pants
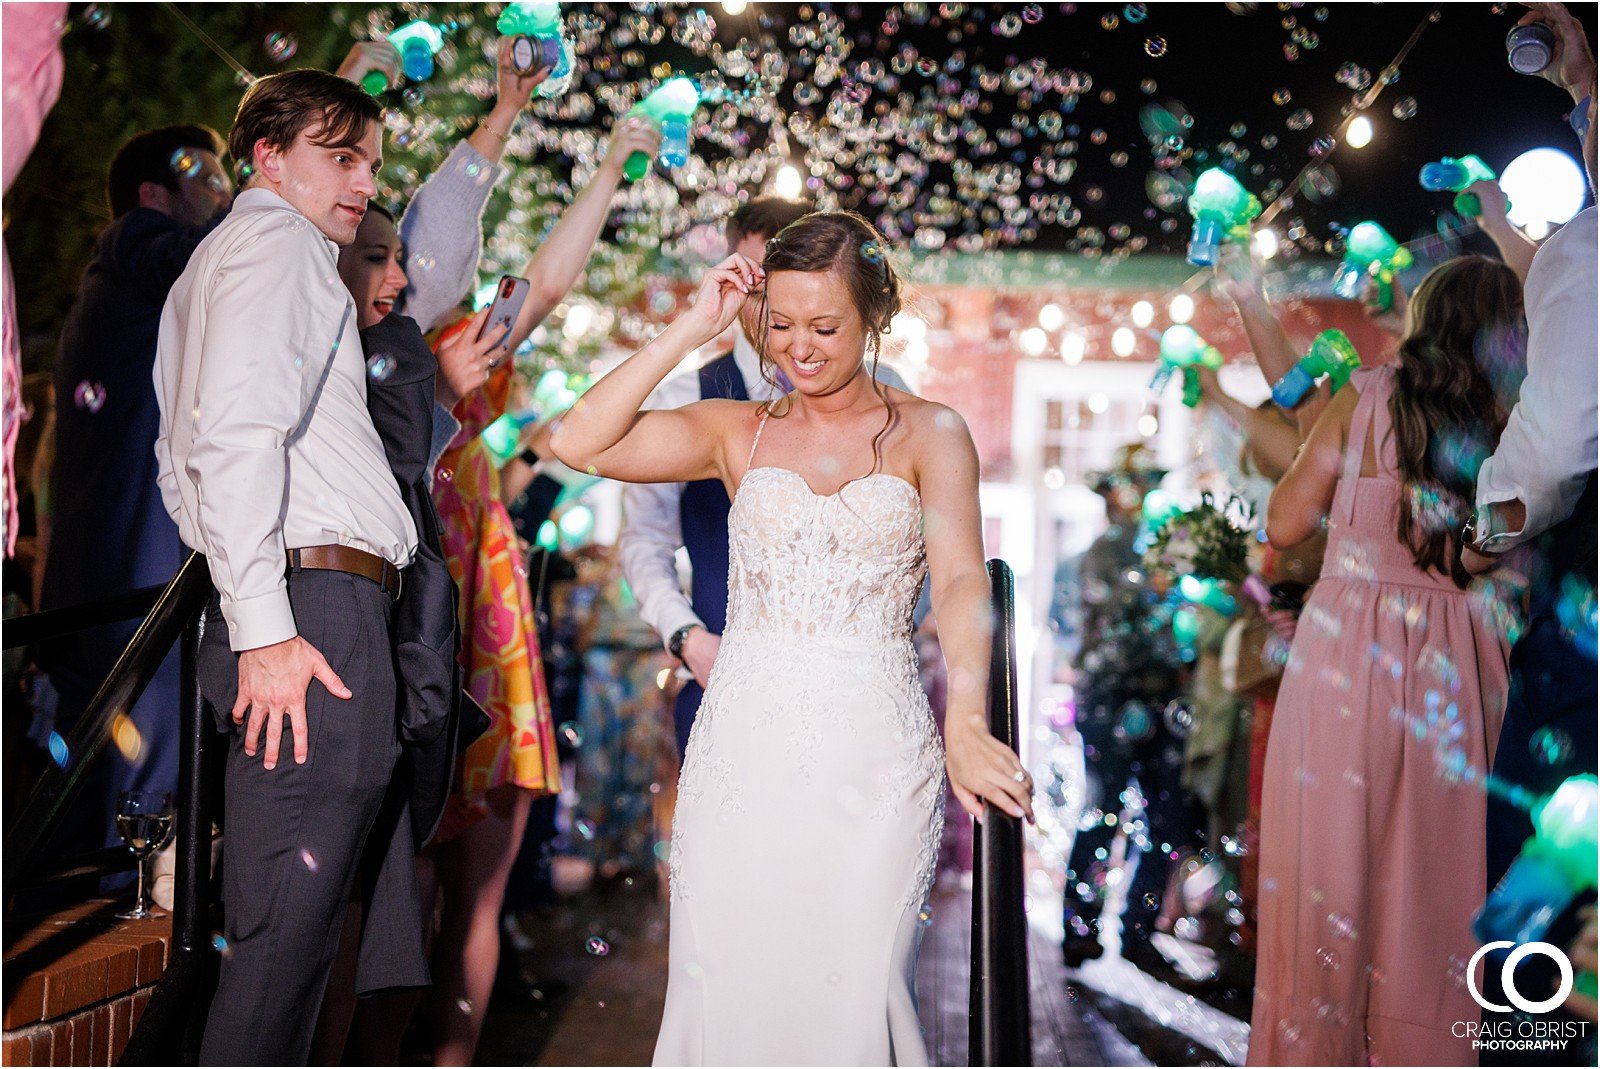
(294, 835)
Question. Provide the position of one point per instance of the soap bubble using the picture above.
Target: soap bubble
(1032, 13)
(1404, 108)
(1109, 21)
(1281, 96)
(1550, 746)
(1135, 13)
(281, 47)
(184, 163)
(1319, 182)
(572, 733)
(597, 946)
(94, 17)
(89, 396)
(380, 366)
(1300, 120)
(1155, 47)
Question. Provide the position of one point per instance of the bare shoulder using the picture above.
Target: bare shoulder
(932, 426)
(724, 414)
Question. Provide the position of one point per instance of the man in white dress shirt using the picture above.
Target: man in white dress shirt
(270, 465)
(659, 518)
(1539, 489)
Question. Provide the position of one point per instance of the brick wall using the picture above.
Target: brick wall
(76, 982)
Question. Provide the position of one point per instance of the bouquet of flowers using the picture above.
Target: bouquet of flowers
(1203, 542)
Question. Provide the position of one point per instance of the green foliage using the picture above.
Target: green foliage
(140, 69)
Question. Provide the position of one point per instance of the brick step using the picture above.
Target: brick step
(76, 981)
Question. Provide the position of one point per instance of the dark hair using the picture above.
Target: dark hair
(148, 157)
(845, 244)
(764, 217)
(278, 107)
(1464, 320)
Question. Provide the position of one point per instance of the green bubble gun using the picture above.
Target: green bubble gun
(1332, 354)
(1222, 209)
(1554, 867)
(1182, 349)
(417, 42)
(1457, 174)
(537, 41)
(1370, 252)
(671, 107)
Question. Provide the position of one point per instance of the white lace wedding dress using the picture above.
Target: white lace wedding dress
(811, 800)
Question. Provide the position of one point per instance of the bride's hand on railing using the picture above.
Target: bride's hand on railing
(982, 768)
(721, 295)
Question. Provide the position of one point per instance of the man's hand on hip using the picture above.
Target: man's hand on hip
(272, 685)
(700, 653)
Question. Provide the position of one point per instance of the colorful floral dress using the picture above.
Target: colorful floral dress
(499, 643)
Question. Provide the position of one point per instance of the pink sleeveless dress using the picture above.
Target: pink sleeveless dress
(1372, 824)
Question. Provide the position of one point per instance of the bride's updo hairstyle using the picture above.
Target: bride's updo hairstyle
(845, 244)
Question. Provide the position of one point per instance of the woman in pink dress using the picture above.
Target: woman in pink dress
(1372, 828)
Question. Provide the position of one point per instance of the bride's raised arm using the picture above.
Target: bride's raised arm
(605, 434)
(981, 767)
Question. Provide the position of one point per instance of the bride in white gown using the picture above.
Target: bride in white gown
(811, 799)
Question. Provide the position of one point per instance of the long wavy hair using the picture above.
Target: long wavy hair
(847, 245)
(1459, 363)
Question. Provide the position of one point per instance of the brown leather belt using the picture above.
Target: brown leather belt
(351, 560)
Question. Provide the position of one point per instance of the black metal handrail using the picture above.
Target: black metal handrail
(180, 603)
(170, 1029)
(998, 1017)
(70, 619)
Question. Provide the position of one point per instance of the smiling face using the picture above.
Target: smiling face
(329, 184)
(814, 333)
(370, 268)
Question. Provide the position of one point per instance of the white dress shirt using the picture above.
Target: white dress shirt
(1548, 448)
(254, 457)
(652, 528)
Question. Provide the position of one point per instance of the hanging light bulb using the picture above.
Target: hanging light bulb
(1051, 317)
(1034, 341)
(1266, 242)
(1142, 313)
(788, 183)
(1359, 133)
(1123, 341)
(1181, 310)
(734, 7)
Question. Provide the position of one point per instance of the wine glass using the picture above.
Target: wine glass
(144, 819)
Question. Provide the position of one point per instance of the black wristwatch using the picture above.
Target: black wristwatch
(675, 643)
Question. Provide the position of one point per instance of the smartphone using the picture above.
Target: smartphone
(508, 299)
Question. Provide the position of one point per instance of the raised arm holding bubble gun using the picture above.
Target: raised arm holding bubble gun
(537, 40)
(1222, 211)
(1370, 253)
(1183, 350)
(1239, 276)
(1331, 358)
(670, 107)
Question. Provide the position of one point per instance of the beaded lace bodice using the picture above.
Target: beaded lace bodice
(845, 566)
